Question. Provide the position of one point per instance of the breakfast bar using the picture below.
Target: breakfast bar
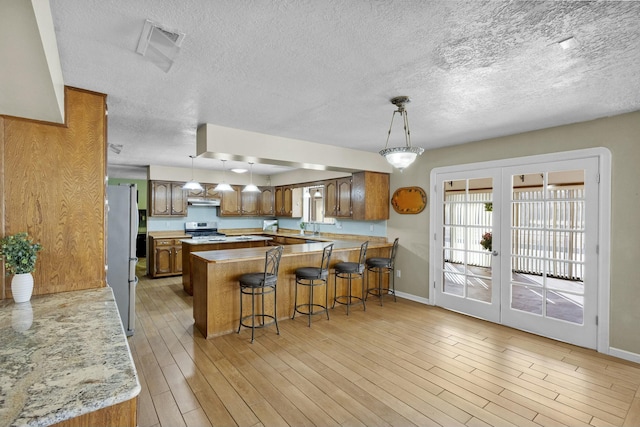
(216, 296)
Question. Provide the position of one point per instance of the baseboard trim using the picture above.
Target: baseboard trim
(623, 354)
(421, 300)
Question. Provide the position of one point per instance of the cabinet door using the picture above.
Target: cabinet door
(278, 201)
(160, 198)
(163, 259)
(196, 194)
(331, 198)
(250, 203)
(211, 193)
(344, 197)
(370, 196)
(178, 199)
(231, 202)
(177, 259)
(287, 201)
(267, 205)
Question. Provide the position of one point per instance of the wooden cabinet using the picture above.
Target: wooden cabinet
(167, 198)
(370, 196)
(238, 203)
(250, 203)
(231, 203)
(288, 201)
(267, 201)
(165, 257)
(337, 198)
(283, 200)
(208, 192)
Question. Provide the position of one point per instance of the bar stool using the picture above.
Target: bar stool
(312, 277)
(350, 271)
(381, 266)
(259, 285)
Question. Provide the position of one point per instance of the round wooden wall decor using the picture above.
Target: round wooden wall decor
(409, 200)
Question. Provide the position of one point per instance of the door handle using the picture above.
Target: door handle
(494, 253)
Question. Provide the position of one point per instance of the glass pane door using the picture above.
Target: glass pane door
(466, 263)
(550, 283)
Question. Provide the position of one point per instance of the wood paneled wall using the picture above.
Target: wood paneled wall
(53, 187)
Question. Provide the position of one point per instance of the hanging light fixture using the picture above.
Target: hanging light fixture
(193, 184)
(317, 194)
(401, 157)
(251, 188)
(223, 186)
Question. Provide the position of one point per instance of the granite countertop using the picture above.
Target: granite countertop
(227, 239)
(233, 255)
(62, 355)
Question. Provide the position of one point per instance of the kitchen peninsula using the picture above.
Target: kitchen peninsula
(216, 298)
(215, 243)
(65, 360)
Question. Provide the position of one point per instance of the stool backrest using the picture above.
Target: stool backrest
(394, 251)
(363, 256)
(326, 258)
(271, 265)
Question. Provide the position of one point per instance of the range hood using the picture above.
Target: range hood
(203, 202)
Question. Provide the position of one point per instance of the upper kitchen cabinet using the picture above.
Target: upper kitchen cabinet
(288, 201)
(167, 198)
(267, 201)
(208, 192)
(370, 196)
(337, 198)
(250, 203)
(231, 203)
(239, 203)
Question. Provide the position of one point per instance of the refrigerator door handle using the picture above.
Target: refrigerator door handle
(132, 305)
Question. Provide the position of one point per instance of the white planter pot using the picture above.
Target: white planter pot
(22, 287)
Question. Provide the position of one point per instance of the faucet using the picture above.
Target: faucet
(316, 228)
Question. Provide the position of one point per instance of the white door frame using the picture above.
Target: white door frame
(604, 223)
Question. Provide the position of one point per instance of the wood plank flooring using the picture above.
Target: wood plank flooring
(401, 364)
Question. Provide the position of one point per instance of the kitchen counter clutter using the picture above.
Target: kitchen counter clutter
(64, 357)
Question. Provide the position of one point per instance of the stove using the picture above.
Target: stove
(202, 230)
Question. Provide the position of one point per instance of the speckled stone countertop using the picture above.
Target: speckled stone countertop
(61, 356)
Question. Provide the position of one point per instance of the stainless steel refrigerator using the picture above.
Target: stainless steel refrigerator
(122, 231)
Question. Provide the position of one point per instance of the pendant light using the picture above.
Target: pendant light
(251, 188)
(317, 194)
(401, 157)
(223, 186)
(193, 184)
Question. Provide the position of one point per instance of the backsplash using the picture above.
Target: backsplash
(202, 214)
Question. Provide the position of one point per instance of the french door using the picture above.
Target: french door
(517, 245)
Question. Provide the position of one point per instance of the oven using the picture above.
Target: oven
(202, 230)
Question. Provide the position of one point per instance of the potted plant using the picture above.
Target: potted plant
(303, 226)
(20, 254)
(486, 241)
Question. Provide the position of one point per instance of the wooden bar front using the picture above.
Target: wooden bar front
(216, 294)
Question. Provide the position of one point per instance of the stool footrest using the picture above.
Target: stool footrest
(262, 323)
(309, 307)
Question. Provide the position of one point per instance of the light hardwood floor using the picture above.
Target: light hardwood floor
(402, 364)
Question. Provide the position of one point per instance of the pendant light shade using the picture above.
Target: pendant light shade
(401, 157)
(251, 188)
(193, 184)
(223, 186)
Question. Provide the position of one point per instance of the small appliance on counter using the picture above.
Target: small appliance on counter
(270, 225)
(202, 230)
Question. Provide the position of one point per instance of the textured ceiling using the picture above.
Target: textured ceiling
(324, 71)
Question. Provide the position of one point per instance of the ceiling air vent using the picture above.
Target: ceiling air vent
(160, 45)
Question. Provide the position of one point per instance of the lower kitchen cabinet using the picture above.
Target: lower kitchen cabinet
(165, 257)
